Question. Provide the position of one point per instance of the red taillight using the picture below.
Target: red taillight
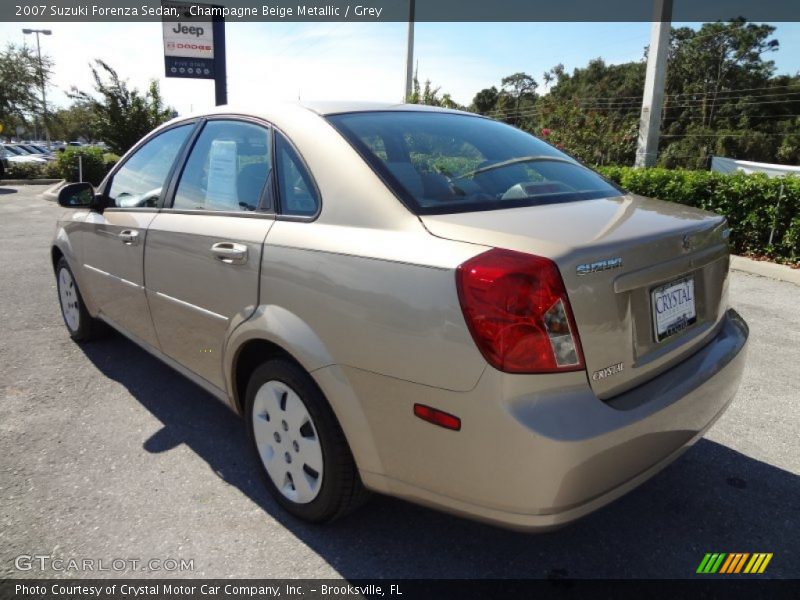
(518, 312)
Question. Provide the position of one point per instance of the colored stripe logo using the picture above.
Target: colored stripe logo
(734, 563)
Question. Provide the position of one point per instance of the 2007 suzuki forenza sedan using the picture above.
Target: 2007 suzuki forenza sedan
(420, 302)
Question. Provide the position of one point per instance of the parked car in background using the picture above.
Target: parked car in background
(42, 147)
(421, 302)
(34, 150)
(16, 154)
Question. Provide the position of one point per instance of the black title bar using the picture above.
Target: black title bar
(708, 587)
(32, 11)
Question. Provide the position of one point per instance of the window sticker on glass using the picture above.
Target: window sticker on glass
(221, 192)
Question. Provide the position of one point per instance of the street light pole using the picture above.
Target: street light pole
(41, 79)
(410, 51)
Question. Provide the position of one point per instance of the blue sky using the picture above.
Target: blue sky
(351, 60)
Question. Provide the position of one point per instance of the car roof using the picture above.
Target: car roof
(288, 116)
(322, 108)
(338, 107)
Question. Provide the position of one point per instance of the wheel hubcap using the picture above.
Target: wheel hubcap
(287, 442)
(68, 295)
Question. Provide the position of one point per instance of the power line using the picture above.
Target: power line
(728, 101)
(624, 108)
(693, 94)
(721, 134)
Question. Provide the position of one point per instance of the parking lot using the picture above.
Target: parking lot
(107, 453)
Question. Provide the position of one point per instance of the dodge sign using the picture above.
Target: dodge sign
(188, 44)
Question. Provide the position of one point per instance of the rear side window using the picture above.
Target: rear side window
(296, 190)
(138, 182)
(227, 168)
(440, 162)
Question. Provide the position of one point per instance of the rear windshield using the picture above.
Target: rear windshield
(446, 163)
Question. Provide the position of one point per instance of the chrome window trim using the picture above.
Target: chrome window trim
(218, 213)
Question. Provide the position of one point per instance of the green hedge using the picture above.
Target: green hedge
(95, 163)
(26, 170)
(748, 201)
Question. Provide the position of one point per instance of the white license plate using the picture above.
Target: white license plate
(673, 307)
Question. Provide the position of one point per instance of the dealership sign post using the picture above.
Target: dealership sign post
(194, 44)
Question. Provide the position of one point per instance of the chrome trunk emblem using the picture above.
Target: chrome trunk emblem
(600, 265)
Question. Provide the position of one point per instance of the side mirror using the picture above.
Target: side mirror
(76, 195)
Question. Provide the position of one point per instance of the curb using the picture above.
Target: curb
(29, 181)
(765, 269)
(51, 193)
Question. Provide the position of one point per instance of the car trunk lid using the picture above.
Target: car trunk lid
(614, 254)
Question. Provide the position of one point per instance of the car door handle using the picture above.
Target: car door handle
(230, 253)
(129, 237)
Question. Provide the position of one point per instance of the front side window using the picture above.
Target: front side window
(227, 168)
(138, 182)
(441, 162)
(298, 195)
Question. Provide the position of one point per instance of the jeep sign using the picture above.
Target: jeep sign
(188, 44)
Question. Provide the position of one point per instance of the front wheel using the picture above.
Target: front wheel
(305, 459)
(80, 324)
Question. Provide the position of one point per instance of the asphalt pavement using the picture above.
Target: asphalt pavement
(106, 453)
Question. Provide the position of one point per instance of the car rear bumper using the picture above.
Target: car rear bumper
(540, 458)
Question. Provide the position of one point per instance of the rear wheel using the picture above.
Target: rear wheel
(305, 459)
(80, 324)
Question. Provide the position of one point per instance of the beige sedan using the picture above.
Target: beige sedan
(418, 302)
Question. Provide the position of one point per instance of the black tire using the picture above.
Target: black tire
(341, 490)
(88, 328)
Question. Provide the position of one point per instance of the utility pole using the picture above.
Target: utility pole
(410, 51)
(653, 99)
(220, 62)
(41, 79)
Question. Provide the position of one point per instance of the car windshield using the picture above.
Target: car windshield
(439, 162)
(12, 151)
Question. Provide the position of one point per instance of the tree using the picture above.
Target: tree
(485, 101)
(594, 136)
(722, 98)
(521, 89)
(601, 85)
(20, 85)
(122, 116)
(548, 78)
(73, 123)
(429, 95)
(718, 95)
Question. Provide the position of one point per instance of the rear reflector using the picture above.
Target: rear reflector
(437, 417)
